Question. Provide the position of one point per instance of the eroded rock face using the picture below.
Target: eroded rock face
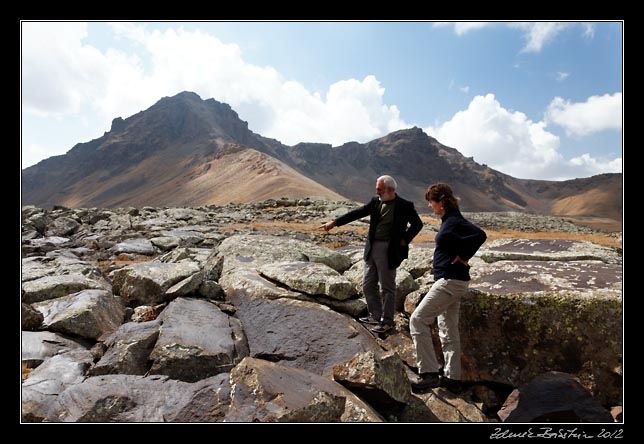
(268, 392)
(513, 338)
(30, 319)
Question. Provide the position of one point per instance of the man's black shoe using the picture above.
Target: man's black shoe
(426, 381)
(453, 385)
(381, 328)
(368, 320)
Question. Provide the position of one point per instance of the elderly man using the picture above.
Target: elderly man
(394, 223)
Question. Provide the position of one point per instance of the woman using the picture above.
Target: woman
(456, 242)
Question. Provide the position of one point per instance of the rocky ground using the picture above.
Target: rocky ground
(244, 313)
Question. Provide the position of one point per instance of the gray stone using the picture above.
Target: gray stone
(130, 398)
(137, 246)
(165, 243)
(379, 378)
(128, 349)
(268, 392)
(211, 290)
(58, 263)
(419, 261)
(311, 278)
(51, 287)
(268, 249)
(30, 319)
(146, 284)
(300, 334)
(47, 381)
(553, 397)
(38, 346)
(197, 340)
(88, 313)
(185, 287)
(246, 283)
(62, 226)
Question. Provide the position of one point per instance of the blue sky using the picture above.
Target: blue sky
(537, 100)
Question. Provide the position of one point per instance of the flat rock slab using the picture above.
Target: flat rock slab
(129, 398)
(547, 250)
(51, 287)
(301, 334)
(591, 278)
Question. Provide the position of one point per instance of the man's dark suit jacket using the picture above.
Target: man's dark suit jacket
(404, 214)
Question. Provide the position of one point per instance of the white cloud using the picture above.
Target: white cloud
(461, 28)
(598, 113)
(510, 142)
(61, 75)
(539, 33)
(561, 76)
(465, 89)
(589, 30)
(536, 34)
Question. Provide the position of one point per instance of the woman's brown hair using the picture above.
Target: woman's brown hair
(441, 192)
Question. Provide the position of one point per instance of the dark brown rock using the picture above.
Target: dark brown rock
(553, 397)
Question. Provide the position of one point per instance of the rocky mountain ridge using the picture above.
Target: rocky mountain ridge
(185, 151)
(241, 313)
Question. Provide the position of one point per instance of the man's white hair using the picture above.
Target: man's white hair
(389, 182)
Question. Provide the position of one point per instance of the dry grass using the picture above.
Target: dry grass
(25, 371)
(597, 238)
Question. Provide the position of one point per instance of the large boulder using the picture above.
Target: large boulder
(88, 313)
(268, 392)
(311, 278)
(553, 397)
(51, 287)
(511, 339)
(261, 249)
(197, 340)
(128, 349)
(129, 398)
(300, 334)
(147, 283)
